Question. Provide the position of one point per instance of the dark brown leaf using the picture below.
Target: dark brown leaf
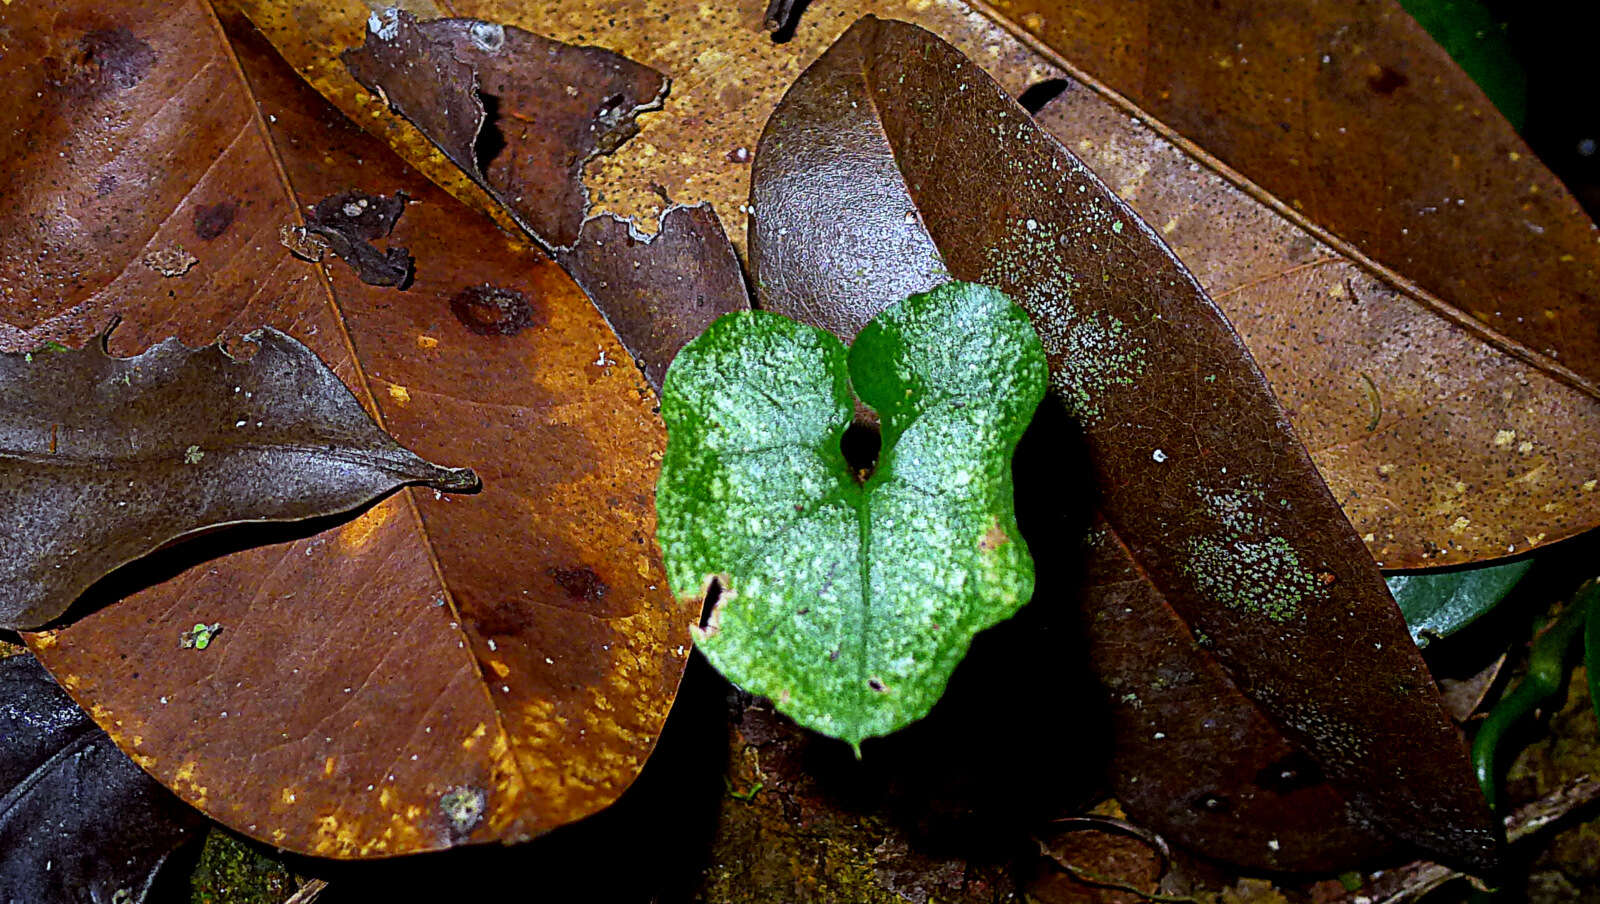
(1358, 121)
(1202, 479)
(383, 678)
(349, 221)
(104, 460)
(78, 820)
(557, 106)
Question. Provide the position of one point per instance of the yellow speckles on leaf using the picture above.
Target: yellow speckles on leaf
(1505, 437)
(1525, 447)
(1589, 485)
(427, 342)
(1336, 290)
(1460, 524)
(359, 532)
(1033, 22)
(1460, 487)
(400, 394)
(46, 640)
(471, 739)
(499, 668)
(1171, 224)
(287, 796)
(1386, 468)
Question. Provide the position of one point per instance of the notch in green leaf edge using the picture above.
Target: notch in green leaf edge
(1440, 603)
(849, 604)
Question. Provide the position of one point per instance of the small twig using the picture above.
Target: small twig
(308, 892)
(1099, 880)
(1411, 882)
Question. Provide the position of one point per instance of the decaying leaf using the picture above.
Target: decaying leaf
(848, 603)
(78, 820)
(1359, 122)
(347, 223)
(1496, 498)
(518, 645)
(556, 107)
(104, 460)
(1203, 483)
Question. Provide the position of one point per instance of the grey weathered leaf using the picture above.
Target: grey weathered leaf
(78, 820)
(104, 459)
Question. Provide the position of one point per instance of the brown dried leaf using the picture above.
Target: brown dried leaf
(104, 460)
(1359, 122)
(1494, 497)
(1201, 478)
(441, 670)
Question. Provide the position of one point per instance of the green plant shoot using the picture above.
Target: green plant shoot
(847, 602)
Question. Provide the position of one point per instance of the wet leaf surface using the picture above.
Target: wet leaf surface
(1201, 478)
(849, 602)
(516, 647)
(1388, 384)
(78, 820)
(104, 460)
(1354, 119)
(1438, 604)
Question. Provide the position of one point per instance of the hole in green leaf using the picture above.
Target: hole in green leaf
(861, 444)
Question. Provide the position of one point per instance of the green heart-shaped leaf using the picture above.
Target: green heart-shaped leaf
(849, 603)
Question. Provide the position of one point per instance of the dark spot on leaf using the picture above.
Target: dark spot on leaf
(105, 186)
(105, 60)
(1387, 81)
(491, 311)
(1041, 93)
(1291, 773)
(1211, 803)
(212, 220)
(349, 221)
(876, 684)
(783, 17)
(581, 583)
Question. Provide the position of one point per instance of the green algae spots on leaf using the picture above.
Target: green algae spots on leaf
(1170, 406)
(849, 603)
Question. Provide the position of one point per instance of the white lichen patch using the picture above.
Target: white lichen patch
(1089, 353)
(1243, 565)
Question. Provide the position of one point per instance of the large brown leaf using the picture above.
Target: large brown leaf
(441, 670)
(1201, 479)
(104, 460)
(1456, 474)
(1357, 121)
(1439, 448)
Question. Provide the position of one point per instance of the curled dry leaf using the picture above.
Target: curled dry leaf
(1359, 122)
(347, 223)
(104, 460)
(1203, 483)
(442, 670)
(78, 820)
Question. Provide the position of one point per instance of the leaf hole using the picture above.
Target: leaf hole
(708, 608)
(861, 444)
(491, 140)
(1040, 93)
